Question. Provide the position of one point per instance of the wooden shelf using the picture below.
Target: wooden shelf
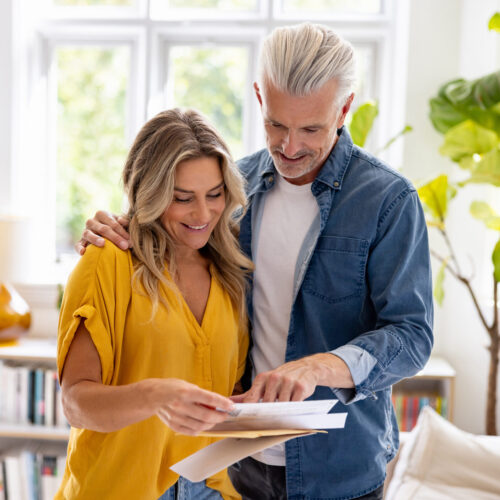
(31, 350)
(39, 432)
(437, 368)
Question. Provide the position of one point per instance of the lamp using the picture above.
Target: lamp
(15, 315)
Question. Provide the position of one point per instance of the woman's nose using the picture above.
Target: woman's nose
(202, 212)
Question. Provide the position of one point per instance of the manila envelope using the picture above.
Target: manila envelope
(240, 442)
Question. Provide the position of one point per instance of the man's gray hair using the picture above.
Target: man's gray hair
(300, 59)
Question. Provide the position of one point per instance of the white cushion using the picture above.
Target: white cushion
(441, 462)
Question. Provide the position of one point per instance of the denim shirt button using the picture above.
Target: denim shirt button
(270, 179)
(336, 184)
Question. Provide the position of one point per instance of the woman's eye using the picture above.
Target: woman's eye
(215, 195)
(182, 200)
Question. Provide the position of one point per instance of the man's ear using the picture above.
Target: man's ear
(345, 109)
(257, 92)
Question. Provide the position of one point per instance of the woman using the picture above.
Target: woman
(156, 335)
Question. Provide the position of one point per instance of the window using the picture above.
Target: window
(95, 70)
(92, 84)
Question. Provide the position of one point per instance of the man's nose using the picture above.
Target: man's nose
(291, 145)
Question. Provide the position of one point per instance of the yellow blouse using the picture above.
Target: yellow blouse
(133, 463)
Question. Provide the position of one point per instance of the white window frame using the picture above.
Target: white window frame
(149, 40)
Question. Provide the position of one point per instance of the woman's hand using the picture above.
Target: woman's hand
(185, 407)
(89, 404)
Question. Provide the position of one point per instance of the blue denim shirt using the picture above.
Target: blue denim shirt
(362, 291)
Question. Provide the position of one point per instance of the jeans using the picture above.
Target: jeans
(255, 480)
(186, 490)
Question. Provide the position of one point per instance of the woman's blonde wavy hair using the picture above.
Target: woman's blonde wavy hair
(171, 137)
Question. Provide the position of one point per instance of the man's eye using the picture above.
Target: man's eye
(311, 130)
(276, 125)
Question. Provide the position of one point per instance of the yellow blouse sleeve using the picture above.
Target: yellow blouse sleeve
(97, 290)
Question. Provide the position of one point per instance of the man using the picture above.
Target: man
(341, 299)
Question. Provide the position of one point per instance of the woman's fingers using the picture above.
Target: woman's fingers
(191, 420)
(213, 400)
(184, 406)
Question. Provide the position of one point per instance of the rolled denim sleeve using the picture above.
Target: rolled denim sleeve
(360, 364)
(400, 284)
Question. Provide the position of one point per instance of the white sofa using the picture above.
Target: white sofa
(438, 461)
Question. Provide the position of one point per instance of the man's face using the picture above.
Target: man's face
(301, 130)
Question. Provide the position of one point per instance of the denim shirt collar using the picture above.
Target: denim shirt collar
(331, 174)
(264, 179)
(333, 170)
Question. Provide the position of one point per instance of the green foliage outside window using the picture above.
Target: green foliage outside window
(91, 144)
(213, 81)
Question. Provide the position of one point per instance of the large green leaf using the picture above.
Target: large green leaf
(482, 211)
(461, 99)
(439, 284)
(444, 115)
(467, 139)
(435, 196)
(362, 122)
(486, 169)
(494, 23)
(496, 261)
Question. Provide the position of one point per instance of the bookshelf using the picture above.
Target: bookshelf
(32, 455)
(434, 385)
(30, 353)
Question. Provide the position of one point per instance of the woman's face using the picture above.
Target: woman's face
(198, 203)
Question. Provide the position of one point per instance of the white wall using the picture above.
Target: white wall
(449, 39)
(5, 104)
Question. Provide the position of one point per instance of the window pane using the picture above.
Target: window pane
(333, 6)
(212, 80)
(91, 144)
(77, 3)
(213, 4)
(163, 9)
(365, 71)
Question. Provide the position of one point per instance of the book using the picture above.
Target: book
(39, 404)
(49, 396)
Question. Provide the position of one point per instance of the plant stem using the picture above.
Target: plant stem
(493, 332)
(450, 248)
(491, 424)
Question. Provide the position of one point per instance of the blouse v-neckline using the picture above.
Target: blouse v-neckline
(201, 327)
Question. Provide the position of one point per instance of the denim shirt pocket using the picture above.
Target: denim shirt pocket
(337, 268)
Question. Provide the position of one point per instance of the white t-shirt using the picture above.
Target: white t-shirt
(288, 213)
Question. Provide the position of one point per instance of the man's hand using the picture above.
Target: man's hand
(297, 380)
(104, 225)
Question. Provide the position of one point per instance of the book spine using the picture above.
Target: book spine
(2, 480)
(50, 382)
(31, 397)
(23, 374)
(39, 406)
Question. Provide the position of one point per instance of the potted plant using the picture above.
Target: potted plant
(467, 113)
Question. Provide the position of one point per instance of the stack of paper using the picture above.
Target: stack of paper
(255, 426)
